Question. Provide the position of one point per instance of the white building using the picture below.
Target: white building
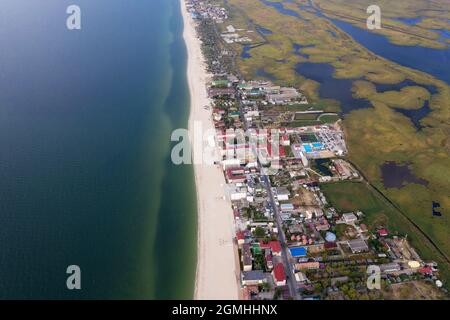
(349, 217)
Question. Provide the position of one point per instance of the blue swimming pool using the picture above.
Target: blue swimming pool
(307, 148)
(298, 252)
(318, 145)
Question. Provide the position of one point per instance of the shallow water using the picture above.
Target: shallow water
(397, 175)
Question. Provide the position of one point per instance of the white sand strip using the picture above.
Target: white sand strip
(216, 265)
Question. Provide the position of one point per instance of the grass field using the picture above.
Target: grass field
(352, 196)
(415, 290)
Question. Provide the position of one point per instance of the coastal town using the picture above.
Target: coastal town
(280, 156)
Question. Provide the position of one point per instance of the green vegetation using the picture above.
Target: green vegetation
(259, 262)
(412, 97)
(308, 119)
(253, 213)
(259, 232)
(352, 196)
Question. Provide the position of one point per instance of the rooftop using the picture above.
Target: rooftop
(253, 275)
(279, 273)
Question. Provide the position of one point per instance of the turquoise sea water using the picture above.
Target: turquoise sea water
(85, 172)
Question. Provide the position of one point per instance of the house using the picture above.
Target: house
(246, 257)
(246, 293)
(390, 267)
(221, 92)
(322, 225)
(269, 260)
(285, 141)
(358, 245)
(225, 135)
(287, 207)
(363, 227)
(307, 266)
(254, 277)
(235, 175)
(426, 270)
(237, 192)
(240, 237)
(383, 232)
(282, 193)
(301, 277)
(230, 163)
(275, 152)
(349, 218)
(274, 246)
(279, 276)
(330, 245)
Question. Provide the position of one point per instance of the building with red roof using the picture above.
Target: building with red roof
(285, 141)
(383, 233)
(240, 238)
(277, 153)
(274, 246)
(330, 245)
(235, 175)
(279, 276)
(426, 270)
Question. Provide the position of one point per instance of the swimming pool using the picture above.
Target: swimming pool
(317, 145)
(298, 252)
(307, 148)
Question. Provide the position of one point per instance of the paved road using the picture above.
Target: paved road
(290, 279)
(291, 282)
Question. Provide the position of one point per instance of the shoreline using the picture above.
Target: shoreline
(216, 274)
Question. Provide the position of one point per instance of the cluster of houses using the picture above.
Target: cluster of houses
(200, 9)
(317, 236)
(274, 174)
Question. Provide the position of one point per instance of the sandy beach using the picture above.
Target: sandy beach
(216, 276)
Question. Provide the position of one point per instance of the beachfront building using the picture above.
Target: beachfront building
(255, 277)
(247, 257)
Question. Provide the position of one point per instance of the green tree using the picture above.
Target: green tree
(260, 232)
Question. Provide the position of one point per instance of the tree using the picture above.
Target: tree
(260, 232)
(277, 294)
(266, 286)
(352, 294)
(318, 287)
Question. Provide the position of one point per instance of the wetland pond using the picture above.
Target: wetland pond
(397, 175)
(330, 87)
